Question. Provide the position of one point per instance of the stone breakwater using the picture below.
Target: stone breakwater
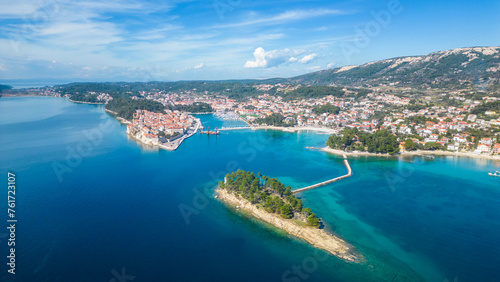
(319, 238)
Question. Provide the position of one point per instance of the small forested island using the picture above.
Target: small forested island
(269, 200)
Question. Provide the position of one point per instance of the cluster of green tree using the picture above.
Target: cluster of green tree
(420, 120)
(491, 106)
(327, 108)
(269, 193)
(307, 92)
(382, 141)
(231, 89)
(115, 89)
(275, 120)
(433, 146)
(126, 107)
(361, 92)
(81, 97)
(198, 107)
(4, 87)
(168, 136)
(414, 106)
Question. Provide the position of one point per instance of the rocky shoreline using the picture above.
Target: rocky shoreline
(319, 238)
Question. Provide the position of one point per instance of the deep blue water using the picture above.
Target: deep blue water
(117, 204)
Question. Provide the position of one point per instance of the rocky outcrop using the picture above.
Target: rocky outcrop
(317, 237)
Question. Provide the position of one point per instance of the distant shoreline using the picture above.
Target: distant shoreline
(89, 103)
(412, 153)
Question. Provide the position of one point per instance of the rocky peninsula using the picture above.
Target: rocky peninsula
(269, 200)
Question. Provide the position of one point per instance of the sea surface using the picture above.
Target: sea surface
(94, 205)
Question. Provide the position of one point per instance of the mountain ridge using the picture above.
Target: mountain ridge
(455, 68)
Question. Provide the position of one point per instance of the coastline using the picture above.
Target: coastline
(293, 129)
(89, 103)
(412, 153)
(319, 238)
(115, 114)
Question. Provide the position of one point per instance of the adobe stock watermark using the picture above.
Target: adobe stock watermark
(405, 170)
(223, 7)
(371, 29)
(303, 271)
(47, 10)
(249, 149)
(76, 153)
(121, 276)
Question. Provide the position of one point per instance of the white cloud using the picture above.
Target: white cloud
(15, 9)
(260, 59)
(200, 66)
(314, 68)
(287, 16)
(308, 58)
(331, 65)
(269, 59)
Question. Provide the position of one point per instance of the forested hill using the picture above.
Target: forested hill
(475, 68)
(457, 68)
(4, 87)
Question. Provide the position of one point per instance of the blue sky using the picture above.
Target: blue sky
(135, 40)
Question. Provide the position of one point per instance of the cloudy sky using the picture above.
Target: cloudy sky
(136, 40)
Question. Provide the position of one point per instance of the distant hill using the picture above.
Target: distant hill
(4, 87)
(452, 69)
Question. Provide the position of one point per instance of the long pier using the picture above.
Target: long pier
(349, 174)
(234, 128)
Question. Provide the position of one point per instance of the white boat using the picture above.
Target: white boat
(496, 174)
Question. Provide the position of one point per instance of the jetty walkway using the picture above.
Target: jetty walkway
(234, 128)
(349, 174)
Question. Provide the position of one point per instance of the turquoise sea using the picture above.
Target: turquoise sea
(93, 205)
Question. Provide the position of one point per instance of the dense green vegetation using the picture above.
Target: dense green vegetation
(88, 98)
(270, 194)
(410, 145)
(275, 119)
(307, 92)
(491, 106)
(231, 89)
(349, 139)
(327, 108)
(4, 87)
(193, 108)
(126, 107)
(168, 136)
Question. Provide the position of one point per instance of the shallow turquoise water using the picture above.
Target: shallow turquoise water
(119, 205)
